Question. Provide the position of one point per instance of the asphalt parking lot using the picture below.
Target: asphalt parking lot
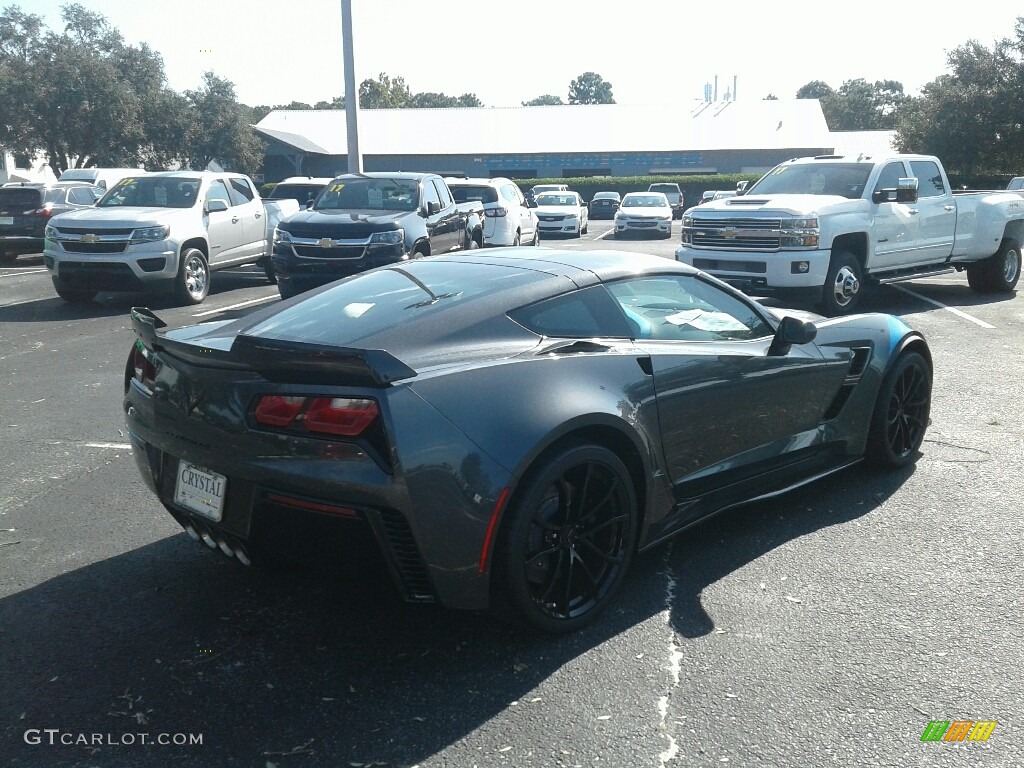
(825, 627)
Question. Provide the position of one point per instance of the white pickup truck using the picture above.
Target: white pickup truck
(163, 231)
(818, 229)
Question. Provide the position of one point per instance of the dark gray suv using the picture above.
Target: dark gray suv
(26, 209)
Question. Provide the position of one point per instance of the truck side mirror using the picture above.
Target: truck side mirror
(309, 205)
(906, 190)
(432, 207)
(216, 206)
(741, 187)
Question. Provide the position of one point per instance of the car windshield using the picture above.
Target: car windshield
(475, 193)
(842, 179)
(644, 201)
(370, 195)
(152, 192)
(550, 199)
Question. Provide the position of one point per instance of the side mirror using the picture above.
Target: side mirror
(432, 207)
(309, 205)
(906, 190)
(792, 330)
(741, 187)
(216, 206)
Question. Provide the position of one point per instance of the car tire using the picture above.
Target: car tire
(286, 290)
(586, 228)
(900, 417)
(268, 270)
(516, 241)
(843, 285)
(71, 295)
(6, 257)
(193, 282)
(568, 537)
(536, 237)
(998, 273)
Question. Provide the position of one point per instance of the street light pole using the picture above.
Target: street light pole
(355, 158)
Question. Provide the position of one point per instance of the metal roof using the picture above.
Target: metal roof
(693, 126)
(873, 143)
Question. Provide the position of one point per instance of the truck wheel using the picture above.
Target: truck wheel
(998, 273)
(268, 270)
(842, 290)
(72, 296)
(193, 277)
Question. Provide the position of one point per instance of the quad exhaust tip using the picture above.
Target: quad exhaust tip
(199, 532)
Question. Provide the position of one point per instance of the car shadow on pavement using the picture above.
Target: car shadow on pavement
(173, 638)
(733, 539)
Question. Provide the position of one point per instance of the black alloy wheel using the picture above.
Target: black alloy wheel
(569, 538)
(901, 413)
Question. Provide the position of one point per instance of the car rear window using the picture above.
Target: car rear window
(474, 194)
(374, 302)
(19, 199)
(301, 193)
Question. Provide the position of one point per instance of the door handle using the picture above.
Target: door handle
(912, 211)
(949, 207)
(258, 214)
(234, 219)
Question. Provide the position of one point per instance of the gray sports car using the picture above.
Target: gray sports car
(508, 428)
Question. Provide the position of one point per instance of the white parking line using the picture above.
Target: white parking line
(23, 272)
(940, 305)
(606, 234)
(118, 446)
(237, 306)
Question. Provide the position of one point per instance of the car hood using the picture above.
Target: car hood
(645, 212)
(380, 220)
(126, 217)
(793, 205)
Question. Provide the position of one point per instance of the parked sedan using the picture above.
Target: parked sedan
(26, 209)
(603, 205)
(562, 213)
(361, 416)
(644, 213)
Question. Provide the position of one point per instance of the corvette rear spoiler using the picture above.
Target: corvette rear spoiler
(280, 360)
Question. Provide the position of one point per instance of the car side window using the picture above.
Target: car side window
(929, 178)
(686, 308)
(582, 314)
(430, 193)
(81, 196)
(442, 193)
(890, 176)
(509, 194)
(241, 192)
(217, 191)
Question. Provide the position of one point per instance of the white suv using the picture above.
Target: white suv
(507, 218)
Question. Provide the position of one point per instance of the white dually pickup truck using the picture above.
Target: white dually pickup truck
(164, 231)
(818, 229)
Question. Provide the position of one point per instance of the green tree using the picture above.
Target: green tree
(816, 89)
(542, 101)
(972, 116)
(338, 102)
(384, 93)
(220, 129)
(771, 97)
(468, 100)
(590, 88)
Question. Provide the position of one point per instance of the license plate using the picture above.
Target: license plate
(200, 490)
(8, 220)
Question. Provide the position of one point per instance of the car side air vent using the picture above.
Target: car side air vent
(861, 356)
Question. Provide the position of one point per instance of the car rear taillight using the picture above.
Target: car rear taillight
(143, 369)
(496, 213)
(46, 210)
(345, 416)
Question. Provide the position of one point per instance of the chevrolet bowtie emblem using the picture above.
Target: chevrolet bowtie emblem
(326, 242)
(728, 232)
(90, 238)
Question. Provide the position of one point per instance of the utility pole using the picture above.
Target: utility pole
(355, 158)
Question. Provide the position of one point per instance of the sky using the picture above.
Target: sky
(510, 51)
